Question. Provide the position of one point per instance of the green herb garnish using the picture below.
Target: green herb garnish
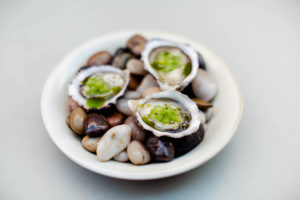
(95, 102)
(187, 69)
(165, 114)
(96, 86)
(168, 61)
(116, 89)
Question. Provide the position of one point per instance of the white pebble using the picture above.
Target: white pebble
(151, 90)
(122, 106)
(137, 153)
(136, 66)
(204, 86)
(148, 81)
(209, 113)
(130, 94)
(113, 142)
(121, 157)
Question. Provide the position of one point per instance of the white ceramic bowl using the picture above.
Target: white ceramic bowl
(228, 106)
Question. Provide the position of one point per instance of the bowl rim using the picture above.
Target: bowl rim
(121, 175)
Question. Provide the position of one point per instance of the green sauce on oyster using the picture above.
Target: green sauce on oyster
(95, 102)
(100, 87)
(167, 59)
(116, 89)
(96, 87)
(165, 116)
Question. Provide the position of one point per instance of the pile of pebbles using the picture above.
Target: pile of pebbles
(114, 133)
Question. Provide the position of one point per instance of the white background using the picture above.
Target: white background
(260, 42)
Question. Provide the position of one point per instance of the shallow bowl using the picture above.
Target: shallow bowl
(228, 106)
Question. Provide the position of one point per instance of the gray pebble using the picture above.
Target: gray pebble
(131, 94)
(122, 106)
(204, 86)
(136, 66)
(148, 81)
(121, 157)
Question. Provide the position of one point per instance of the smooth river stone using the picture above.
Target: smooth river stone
(204, 86)
(90, 143)
(137, 153)
(121, 157)
(148, 81)
(113, 142)
(135, 66)
(122, 106)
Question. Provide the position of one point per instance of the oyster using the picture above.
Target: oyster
(168, 113)
(96, 87)
(174, 65)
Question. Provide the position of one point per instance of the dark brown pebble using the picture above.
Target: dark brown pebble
(160, 150)
(100, 58)
(121, 51)
(189, 91)
(115, 119)
(201, 62)
(136, 44)
(202, 104)
(96, 125)
(133, 82)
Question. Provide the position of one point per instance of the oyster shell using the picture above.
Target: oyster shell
(174, 65)
(96, 87)
(168, 113)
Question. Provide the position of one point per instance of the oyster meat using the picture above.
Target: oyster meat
(96, 87)
(174, 65)
(168, 113)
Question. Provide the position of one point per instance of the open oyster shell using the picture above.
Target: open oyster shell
(97, 87)
(168, 113)
(174, 65)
